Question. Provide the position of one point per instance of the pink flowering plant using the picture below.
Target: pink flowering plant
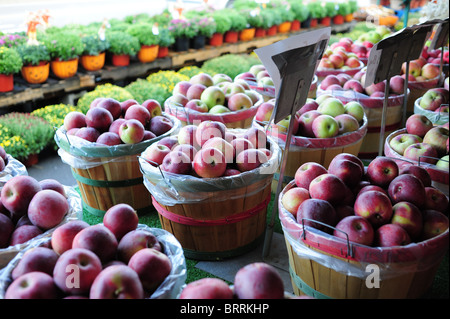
(180, 28)
(12, 40)
(206, 26)
(64, 45)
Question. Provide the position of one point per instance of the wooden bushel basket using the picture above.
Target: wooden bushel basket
(319, 150)
(213, 218)
(439, 177)
(237, 119)
(108, 175)
(438, 117)
(324, 266)
(373, 107)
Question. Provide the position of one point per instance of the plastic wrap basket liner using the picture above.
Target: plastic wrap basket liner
(319, 150)
(108, 175)
(213, 218)
(324, 266)
(236, 119)
(436, 117)
(268, 92)
(438, 176)
(373, 107)
(322, 73)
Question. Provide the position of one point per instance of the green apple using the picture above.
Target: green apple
(256, 68)
(325, 126)
(321, 98)
(382, 30)
(355, 109)
(221, 77)
(443, 163)
(213, 95)
(219, 109)
(331, 106)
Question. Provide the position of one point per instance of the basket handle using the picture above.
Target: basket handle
(349, 245)
(167, 181)
(440, 113)
(430, 157)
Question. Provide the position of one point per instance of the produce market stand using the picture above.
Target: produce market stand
(24, 92)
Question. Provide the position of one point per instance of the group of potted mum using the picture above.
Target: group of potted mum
(63, 49)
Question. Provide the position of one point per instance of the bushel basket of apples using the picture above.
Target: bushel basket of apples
(102, 149)
(31, 209)
(434, 104)
(116, 259)
(424, 144)
(211, 187)
(214, 98)
(345, 223)
(9, 167)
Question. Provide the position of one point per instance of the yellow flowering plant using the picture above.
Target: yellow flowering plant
(103, 90)
(167, 79)
(142, 90)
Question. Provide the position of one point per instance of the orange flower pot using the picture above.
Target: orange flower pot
(272, 30)
(314, 23)
(93, 62)
(148, 53)
(36, 74)
(120, 60)
(6, 82)
(326, 21)
(295, 25)
(64, 69)
(163, 52)
(348, 17)
(247, 34)
(284, 27)
(216, 39)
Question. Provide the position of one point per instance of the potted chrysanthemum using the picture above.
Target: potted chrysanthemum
(182, 30)
(148, 40)
(10, 63)
(94, 51)
(36, 63)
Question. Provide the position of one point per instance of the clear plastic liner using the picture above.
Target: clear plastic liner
(170, 288)
(13, 168)
(75, 212)
(171, 189)
(357, 260)
(437, 117)
(299, 143)
(82, 154)
(322, 73)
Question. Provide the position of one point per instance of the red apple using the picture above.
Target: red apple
(327, 187)
(375, 206)
(409, 217)
(209, 163)
(181, 87)
(74, 119)
(120, 219)
(437, 138)
(381, 171)
(7, 227)
(117, 282)
(41, 259)
(401, 142)
(258, 281)
(407, 188)
(209, 129)
(75, 271)
(109, 139)
(329, 80)
(371, 188)
(436, 200)
(239, 101)
(134, 241)
(354, 85)
(17, 193)
(160, 124)
(307, 172)
(152, 267)
(47, 209)
(390, 235)
(177, 163)
(429, 71)
(419, 172)
(187, 135)
(126, 104)
(349, 172)
(187, 149)
(418, 124)
(422, 152)
(112, 105)
(250, 159)
(264, 112)
(155, 153)
(33, 285)
(62, 236)
(222, 145)
(397, 84)
(195, 91)
(98, 239)
(292, 199)
(99, 118)
(311, 210)
(240, 144)
(347, 123)
(53, 184)
(358, 229)
(207, 288)
(131, 131)
(434, 223)
(114, 127)
(24, 233)
(305, 123)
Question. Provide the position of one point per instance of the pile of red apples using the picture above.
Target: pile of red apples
(434, 56)
(215, 94)
(29, 207)
(420, 70)
(113, 260)
(109, 122)
(324, 117)
(383, 206)
(423, 141)
(340, 55)
(210, 150)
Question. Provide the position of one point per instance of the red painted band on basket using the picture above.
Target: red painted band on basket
(377, 129)
(217, 222)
